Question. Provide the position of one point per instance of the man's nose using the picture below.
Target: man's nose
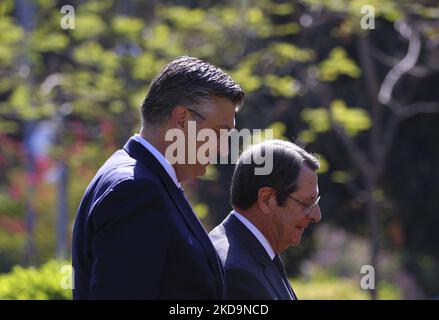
(315, 215)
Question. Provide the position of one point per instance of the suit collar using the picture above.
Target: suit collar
(248, 238)
(160, 158)
(137, 151)
(258, 234)
(259, 254)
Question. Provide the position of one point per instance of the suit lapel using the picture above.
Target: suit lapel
(291, 291)
(197, 228)
(260, 255)
(140, 153)
(276, 281)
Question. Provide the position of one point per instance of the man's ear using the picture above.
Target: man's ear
(266, 199)
(179, 117)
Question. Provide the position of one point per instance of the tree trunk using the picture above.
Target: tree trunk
(373, 217)
(63, 217)
(25, 13)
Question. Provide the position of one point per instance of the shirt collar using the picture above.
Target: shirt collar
(258, 234)
(163, 161)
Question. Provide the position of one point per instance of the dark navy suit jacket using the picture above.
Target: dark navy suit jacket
(137, 237)
(250, 272)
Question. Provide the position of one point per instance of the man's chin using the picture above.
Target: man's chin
(296, 242)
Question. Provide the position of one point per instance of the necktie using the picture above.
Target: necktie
(280, 267)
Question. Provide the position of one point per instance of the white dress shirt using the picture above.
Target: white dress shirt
(163, 161)
(258, 234)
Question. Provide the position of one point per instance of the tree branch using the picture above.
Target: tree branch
(402, 113)
(417, 108)
(354, 152)
(404, 66)
(389, 61)
(358, 158)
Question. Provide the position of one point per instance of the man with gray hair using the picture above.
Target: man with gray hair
(270, 213)
(136, 235)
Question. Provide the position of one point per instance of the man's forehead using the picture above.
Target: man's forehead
(307, 183)
(223, 114)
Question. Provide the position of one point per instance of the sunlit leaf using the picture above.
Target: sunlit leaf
(338, 63)
(281, 86)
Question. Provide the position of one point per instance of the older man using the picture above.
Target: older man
(271, 212)
(135, 235)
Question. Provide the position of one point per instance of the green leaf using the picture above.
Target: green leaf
(281, 86)
(281, 9)
(338, 63)
(285, 52)
(95, 7)
(257, 22)
(353, 120)
(160, 38)
(129, 27)
(279, 129)
(247, 80)
(201, 210)
(43, 42)
(307, 136)
(212, 173)
(183, 17)
(317, 119)
(6, 7)
(324, 165)
(94, 55)
(285, 29)
(146, 66)
(88, 26)
(340, 177)
(8, 127)
(10, 37)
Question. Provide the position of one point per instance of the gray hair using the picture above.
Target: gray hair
(187, 81)
(288, 159)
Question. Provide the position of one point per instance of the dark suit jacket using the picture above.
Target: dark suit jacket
(137, 237)
(250, 273)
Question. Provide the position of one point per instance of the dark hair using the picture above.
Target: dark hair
(187, 81)
(288, 159)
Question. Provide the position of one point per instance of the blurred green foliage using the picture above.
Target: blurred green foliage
(42, 283)
(323, 286)
(46, 283)
(300, 66)
(353, 120)
(338, 64)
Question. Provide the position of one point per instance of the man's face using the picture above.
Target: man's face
(290, 221)
(221, 116)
